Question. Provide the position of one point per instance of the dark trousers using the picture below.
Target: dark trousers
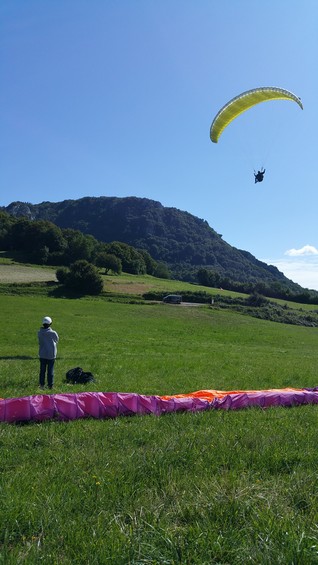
(47, 365)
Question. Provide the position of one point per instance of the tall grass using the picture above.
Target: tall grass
(213, 487)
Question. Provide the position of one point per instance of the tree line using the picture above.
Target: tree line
(275, 289)
(42, 242)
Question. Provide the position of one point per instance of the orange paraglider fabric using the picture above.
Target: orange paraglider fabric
(211, 395)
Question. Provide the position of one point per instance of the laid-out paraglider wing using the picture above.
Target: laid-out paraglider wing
(244, 102)
(66, 406)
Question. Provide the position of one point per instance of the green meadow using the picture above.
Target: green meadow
(201, 488)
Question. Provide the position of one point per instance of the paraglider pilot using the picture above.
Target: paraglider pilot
(259, 176)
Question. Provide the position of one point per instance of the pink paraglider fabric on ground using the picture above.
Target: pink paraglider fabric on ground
(72, 406)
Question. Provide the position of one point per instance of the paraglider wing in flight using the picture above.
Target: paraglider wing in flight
(244, 102)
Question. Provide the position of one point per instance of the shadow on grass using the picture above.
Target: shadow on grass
(17, 357)
(60, 291)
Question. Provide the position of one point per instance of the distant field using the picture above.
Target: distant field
(125, 284)
(14, 273)
(140, 284)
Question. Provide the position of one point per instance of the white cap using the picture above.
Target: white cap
(47, 320)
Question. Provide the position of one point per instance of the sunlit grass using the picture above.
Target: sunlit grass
(213, 487)
(14, 273)
(145, 283)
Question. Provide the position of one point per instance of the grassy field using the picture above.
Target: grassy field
(213, 487)
(13, 273)
(125, 284)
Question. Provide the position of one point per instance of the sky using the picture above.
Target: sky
(116, 98)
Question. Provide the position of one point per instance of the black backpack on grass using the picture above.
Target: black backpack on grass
(77, 375)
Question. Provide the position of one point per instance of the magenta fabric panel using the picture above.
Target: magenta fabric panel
(67, 407)
(41, 407)
(88, 405)
(16, 409)
(108, 404)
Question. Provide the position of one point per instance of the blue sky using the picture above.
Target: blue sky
(116, 98)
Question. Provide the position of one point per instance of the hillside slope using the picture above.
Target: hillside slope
(177, 238)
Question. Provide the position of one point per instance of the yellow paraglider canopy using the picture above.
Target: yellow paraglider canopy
(244, 102)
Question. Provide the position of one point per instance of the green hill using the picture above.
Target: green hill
(183, 241)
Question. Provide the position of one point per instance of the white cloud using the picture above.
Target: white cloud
(299, 265)
(304, 251)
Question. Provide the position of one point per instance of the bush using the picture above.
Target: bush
(196, 297)
(82, 277)
(62, 274)
(256, 299)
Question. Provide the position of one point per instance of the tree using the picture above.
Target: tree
(207, 277)
(42, 234)
(132, 261)
(162, 271)
(6, 222)
(82, 277)
(150, 263)
(79, 246)
(18, 235)
(40, 255)
(38, 239)
(109, 262)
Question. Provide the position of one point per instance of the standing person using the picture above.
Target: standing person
(48, 340)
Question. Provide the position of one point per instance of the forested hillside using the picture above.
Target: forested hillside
(182, 241)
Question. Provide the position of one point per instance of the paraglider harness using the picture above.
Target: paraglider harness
(77, 375)
(259, 176)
